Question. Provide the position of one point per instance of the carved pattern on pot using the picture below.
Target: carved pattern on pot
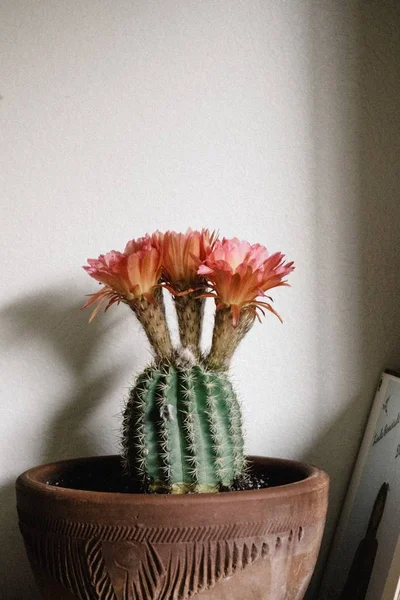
(162, 535)
(141, 563)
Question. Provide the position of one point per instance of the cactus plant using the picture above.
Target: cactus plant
(182, 424)
(182, 429)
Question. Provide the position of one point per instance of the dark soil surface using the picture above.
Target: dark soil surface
(108, 476)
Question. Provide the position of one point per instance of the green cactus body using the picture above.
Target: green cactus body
(182, 429)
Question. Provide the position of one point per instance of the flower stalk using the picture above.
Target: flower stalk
(190, 311)
(227, 337)
(151, 315)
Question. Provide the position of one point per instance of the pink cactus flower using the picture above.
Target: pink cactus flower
(142, 243)
(182, 254)
(239, 273)
(126, 276)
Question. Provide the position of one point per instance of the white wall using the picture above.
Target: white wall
(276, 121)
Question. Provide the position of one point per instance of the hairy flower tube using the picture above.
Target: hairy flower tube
(239, 274)
(133, 277)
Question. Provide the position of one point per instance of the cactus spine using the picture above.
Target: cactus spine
(182, 429)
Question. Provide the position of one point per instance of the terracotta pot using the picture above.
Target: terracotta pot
(246, 545)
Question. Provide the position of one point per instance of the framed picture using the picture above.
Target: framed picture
(392, 587)
(365, 558)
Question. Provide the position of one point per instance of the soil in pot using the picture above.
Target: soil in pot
(110, 477)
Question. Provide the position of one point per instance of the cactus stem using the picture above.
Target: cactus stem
(164, 441)
(182, 428)
(188, 394)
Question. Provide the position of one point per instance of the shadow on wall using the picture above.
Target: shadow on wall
(358, 90)
(55, 319)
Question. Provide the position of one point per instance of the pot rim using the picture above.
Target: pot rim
(35, 480)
